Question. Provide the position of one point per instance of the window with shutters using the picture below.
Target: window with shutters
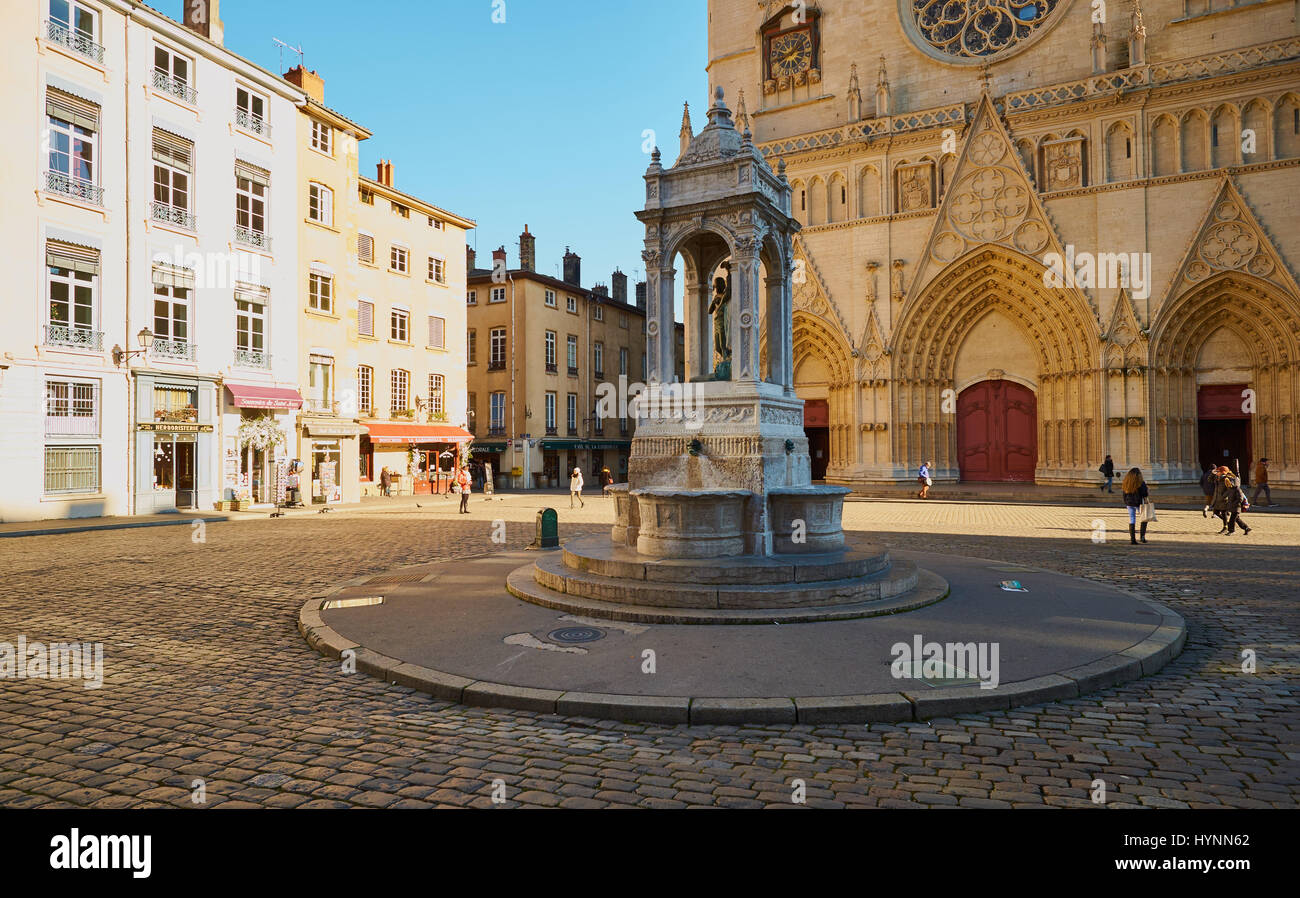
(322, 138)
(320, 292)
(320, 204)
(471, 347)
(437, 270)
(72, 127)
(250, 111)
(173, 74)
(399, 385)
(71, 469)
(367, 195)
(398, 259)
(173, 159)
(72, 284)
(252, 186)
(435, 223)
(550, 352)
(399, 209)
(497, 359)
(365, 318)
(366, 248)
(437, 387)
(399, 326)
(437, 332)
(365, 394)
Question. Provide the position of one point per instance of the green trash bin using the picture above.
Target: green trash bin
(548, 530)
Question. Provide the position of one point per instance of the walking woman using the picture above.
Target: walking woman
(923, 478)
(575, 488)
(1135, 493)
(466, 484)
(1229, 501)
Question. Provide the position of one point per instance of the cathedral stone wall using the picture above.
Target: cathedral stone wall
(937, 179)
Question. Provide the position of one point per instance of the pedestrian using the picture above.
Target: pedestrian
(1261, 483)
(1230, 502)
(386, 482)
(923, 478)
(607, 480)
(466, 484)
(291, 482)
(575, 488)
(1108, 471)
(1135, 493)
(1208, 481)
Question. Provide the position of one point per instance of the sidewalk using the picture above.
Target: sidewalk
(1032, 494)
(81, 525)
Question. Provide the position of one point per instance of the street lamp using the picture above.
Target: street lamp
(144, 338)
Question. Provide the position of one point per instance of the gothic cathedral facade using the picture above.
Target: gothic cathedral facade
(1034, 232)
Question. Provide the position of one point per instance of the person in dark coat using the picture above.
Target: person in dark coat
(386, 481)
(1108, 471)
(1228, 501)
(1208, 481)
(1135, 493)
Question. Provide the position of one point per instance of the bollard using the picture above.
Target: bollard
(548, 530)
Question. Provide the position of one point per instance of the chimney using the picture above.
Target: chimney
(385, 172)
(572, 268)
(640, 294)
(469, 258)
(499, 259)
(310, 82)
(202, 18)
(620, 286)
(600, 290)
(527, 250)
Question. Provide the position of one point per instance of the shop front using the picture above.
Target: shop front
(330, 452)
(175, 444)
(485, 463)
(423, 459)
(257, 422)
(560, 457)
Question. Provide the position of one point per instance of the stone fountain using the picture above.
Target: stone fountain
(720, 513)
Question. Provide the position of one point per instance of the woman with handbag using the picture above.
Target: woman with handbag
(1229, 502)
(923, 478)
(1135, 498)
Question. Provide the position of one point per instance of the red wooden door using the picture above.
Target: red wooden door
(997, 432)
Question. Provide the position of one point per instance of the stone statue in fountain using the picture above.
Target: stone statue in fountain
(720, 309)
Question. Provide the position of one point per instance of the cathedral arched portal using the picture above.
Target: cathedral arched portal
(823, 378)
(1024, 356)
(1226, 377)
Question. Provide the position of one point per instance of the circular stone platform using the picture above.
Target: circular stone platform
(452, 629)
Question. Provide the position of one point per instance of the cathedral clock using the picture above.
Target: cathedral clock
(791, 45)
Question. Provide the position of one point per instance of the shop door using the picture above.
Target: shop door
(997, 424)
(186, 497)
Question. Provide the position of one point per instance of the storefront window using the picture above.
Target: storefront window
(327, 462)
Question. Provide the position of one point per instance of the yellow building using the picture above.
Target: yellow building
(381, 337)
(541, 348)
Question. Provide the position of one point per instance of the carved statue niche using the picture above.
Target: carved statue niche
(720, 308)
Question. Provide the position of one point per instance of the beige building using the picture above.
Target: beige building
(1030, 240)
(382, 335)
(540, 351)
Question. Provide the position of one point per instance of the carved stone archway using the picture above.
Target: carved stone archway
(1056, 322)
(814, 336)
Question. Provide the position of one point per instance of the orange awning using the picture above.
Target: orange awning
(417, 433)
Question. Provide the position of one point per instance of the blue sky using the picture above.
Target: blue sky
(538, 120)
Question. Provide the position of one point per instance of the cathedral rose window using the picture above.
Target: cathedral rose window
(979, 30)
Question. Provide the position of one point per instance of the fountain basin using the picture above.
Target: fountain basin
(807, 519)
(688, 523)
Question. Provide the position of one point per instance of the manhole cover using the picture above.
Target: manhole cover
(389, 579)
(576, 634)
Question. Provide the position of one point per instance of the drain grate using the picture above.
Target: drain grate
(390, 579)
(576, 634)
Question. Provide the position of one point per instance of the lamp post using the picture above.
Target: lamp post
(144, 338)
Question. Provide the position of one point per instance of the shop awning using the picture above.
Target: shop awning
(252, 396)
(598, 445)
(488, 447)
(417, 433)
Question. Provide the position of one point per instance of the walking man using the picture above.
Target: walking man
(1108, 471)
(1261, 482)
(575, 488)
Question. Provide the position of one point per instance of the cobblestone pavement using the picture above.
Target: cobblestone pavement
(207, 678)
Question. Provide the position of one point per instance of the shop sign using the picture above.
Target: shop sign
(174, 427)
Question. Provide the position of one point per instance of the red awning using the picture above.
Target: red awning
(418, 433)
(250, 396)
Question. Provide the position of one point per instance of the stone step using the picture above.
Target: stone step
(599, 555)
(553, 573)
(928, 588)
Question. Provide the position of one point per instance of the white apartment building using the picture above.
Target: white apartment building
(151, 241)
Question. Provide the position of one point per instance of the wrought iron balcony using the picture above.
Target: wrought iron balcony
(497, 430)
(256, 239)
(551, 368)
(252, 124)
(176, 87)
(497, 365)
(181, 350)
(67, 185)
(550, 431)
(252, 358)
(573, 431)
(74, 337)
(58, 33)
(319, 406)
(173, 215)
(598, 374)
(573, 371)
